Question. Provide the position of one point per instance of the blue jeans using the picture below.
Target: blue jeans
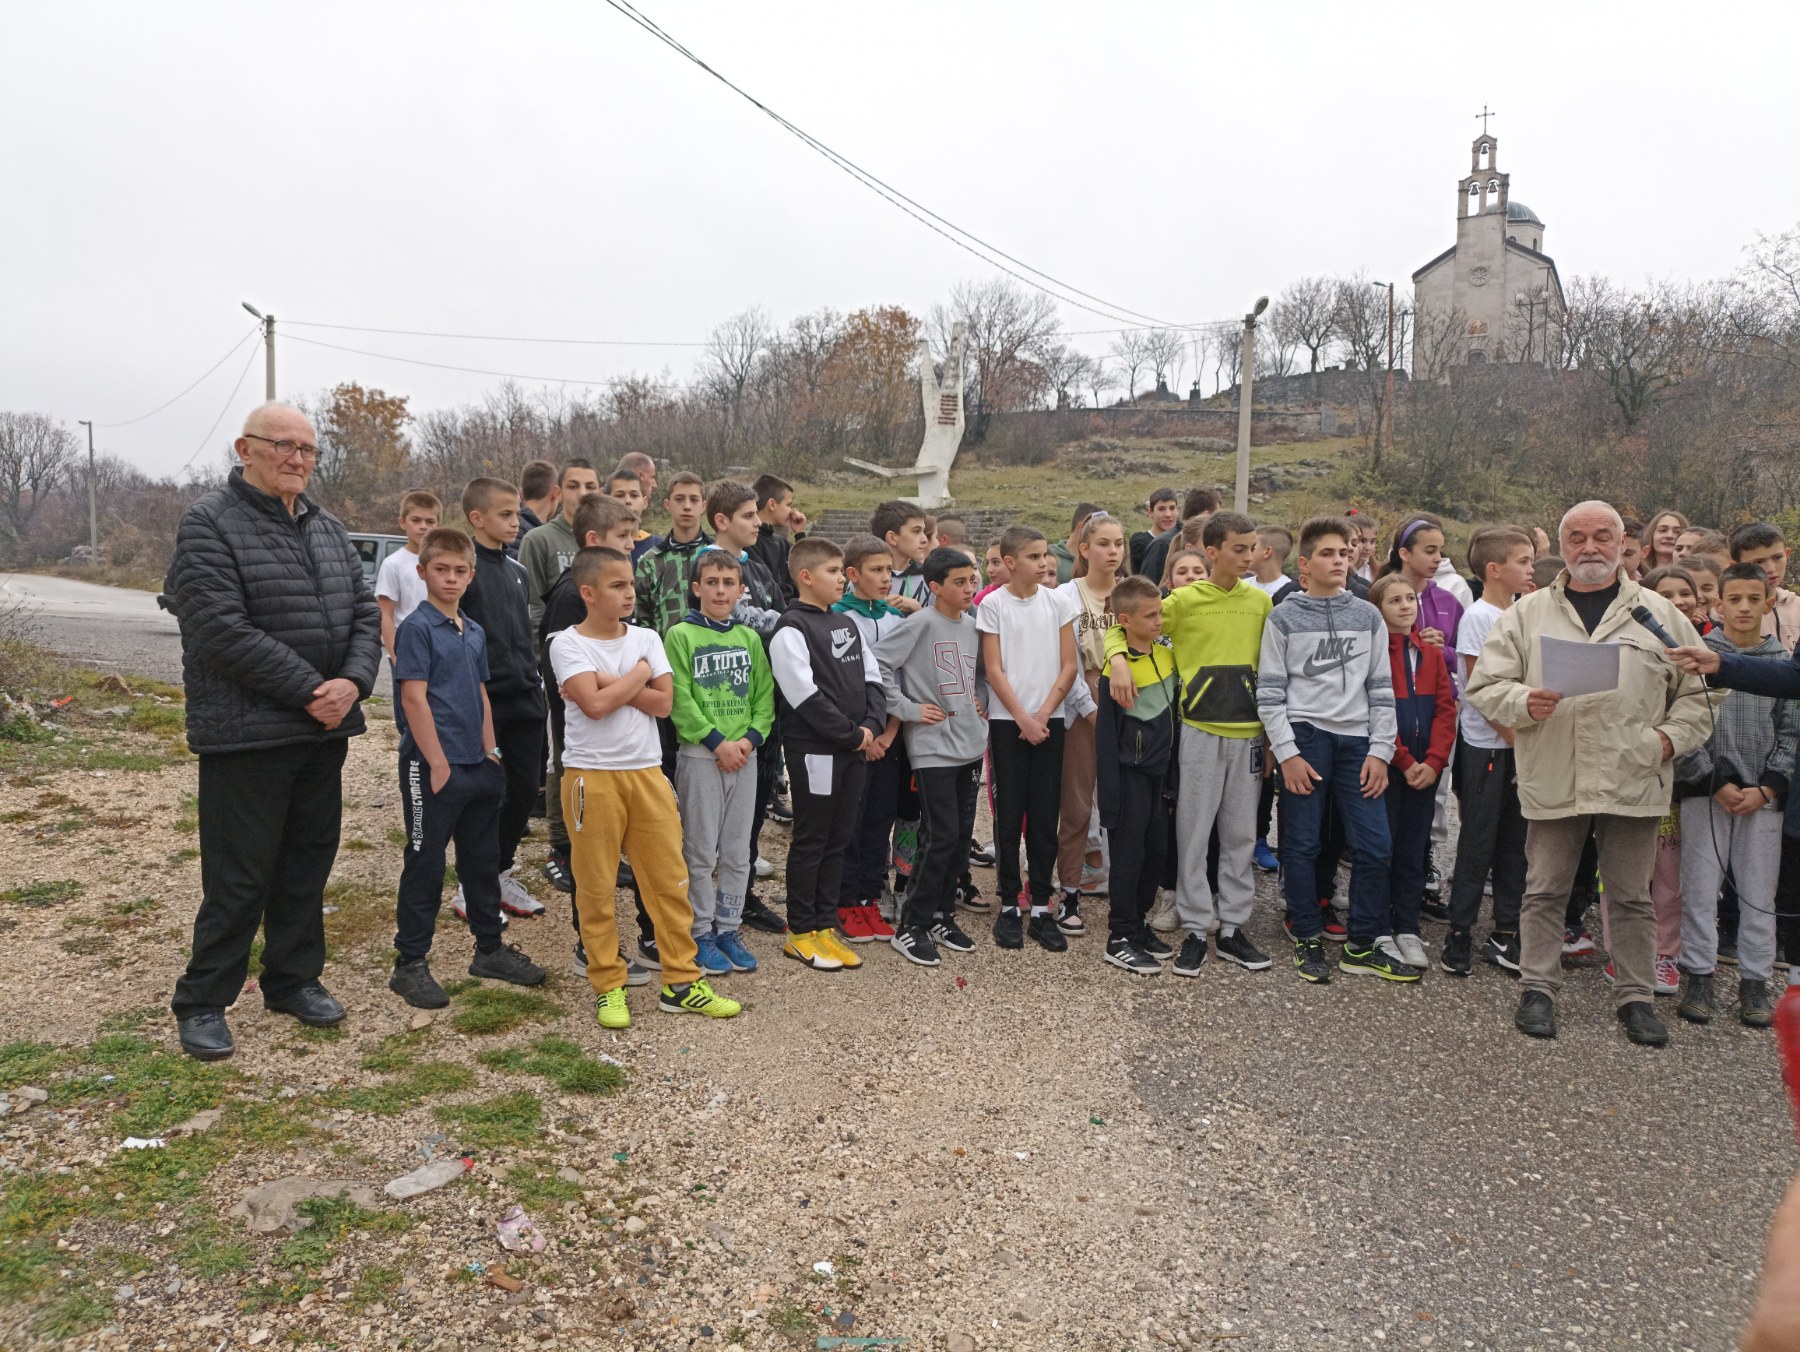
(1338, 761)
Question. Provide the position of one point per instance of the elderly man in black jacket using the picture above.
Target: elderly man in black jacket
(280, 641)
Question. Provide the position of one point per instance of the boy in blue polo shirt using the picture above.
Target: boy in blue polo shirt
(450, 779)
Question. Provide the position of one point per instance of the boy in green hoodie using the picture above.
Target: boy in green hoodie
(724, 705)
(1215, 627)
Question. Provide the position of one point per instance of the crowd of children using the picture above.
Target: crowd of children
(1149, 711)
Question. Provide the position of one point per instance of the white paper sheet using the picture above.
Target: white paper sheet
(1579, 668)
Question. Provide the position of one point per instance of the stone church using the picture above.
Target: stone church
(1494, 295)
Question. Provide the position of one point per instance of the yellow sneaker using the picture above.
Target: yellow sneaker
(611, 1011)
(809, 947)
(698, 998)
(847, 956)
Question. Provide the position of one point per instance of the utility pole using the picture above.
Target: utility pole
(93, 514)
(268, 327)
(1387, 400)
(1241, 499)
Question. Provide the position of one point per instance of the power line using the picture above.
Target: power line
(442, 366)
(899, 199)
(229, 400)
(191, 388)
(486, 337)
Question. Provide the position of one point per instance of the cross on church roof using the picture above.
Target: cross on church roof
(1484, 115)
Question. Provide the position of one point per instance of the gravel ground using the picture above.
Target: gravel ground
(1014, 1151)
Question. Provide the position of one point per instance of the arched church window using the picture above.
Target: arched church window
(1477, 357)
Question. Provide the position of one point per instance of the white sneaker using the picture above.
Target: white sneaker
(764, 869)
(514, 897)
(1412, 950)
(1391, 946)
(1162, 915)
(1668, 977)
(888, 905)
(461, 907)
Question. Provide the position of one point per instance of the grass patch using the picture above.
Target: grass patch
(498, 1009)
(187, 815)
(364, 913)
(420, 1081)
(86, 945)
(332, 1219)
(374, 1284)
(356, 843)
(157, 718)
(396, 836)
(534, 1187)
(26, 1267)
(561, 1062)
(156, 1089)
(184, 855)
(29, 1063)
(510, 1119)
(40, 895)
(270, 1295)
(73, 1312)
(208, 1249)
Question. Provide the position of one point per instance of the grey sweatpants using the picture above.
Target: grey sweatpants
(1752, 847)
(1220, 780)
(716, 809)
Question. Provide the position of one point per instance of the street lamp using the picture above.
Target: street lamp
(1247, 370)
(268, 324)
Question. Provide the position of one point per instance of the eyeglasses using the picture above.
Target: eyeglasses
(285, 449)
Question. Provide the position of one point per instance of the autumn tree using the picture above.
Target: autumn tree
(869, 385)
(363, 449)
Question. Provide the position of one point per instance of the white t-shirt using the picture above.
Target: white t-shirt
(398, 580)
(1477, 622)
(625, 739)
(1030, 642)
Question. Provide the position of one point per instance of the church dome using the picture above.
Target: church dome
(1518, 211)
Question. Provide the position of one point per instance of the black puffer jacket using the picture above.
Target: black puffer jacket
(271, 607)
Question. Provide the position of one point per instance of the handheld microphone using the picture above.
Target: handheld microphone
(1643, 616)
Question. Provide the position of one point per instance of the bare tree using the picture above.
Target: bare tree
(1636, 345)
(1101, 379)
(1164, 349)
(1228, 359)
(1132, 348)
(35, 456)
(1065, 370)
(1361, 322)
(1007, 326)
(1306, 316)
(732, 352)
(1200, 343)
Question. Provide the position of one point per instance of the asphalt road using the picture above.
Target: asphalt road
(108, 628)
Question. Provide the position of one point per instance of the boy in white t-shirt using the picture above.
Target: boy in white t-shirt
(1028, 654)
(616, 683)
(399, 589)
(1487, 777)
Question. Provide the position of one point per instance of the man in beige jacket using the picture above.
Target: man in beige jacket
(1601, 761)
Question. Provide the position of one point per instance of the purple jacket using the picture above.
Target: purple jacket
(1439, 610)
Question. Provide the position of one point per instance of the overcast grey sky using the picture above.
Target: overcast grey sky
(549, 169)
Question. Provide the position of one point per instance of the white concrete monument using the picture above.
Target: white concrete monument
(943, 401)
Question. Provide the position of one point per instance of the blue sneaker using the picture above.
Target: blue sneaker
(731, 944)
(712, 961)
(1265, 857)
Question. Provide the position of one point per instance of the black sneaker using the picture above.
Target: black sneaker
(1236, 947)
(1069, 920)
(971, 900)
(557, 873)
(1009, 928)
(648, 955)
(980, 855)
(1043, 929)
(1697, 1004)
(412, 982)
(779, 810)
(1457, 960)
(1123, 953)
(1146, 941)
(1502, 950)
(1641, 1024)
(758, 916)
(1536, 1015)
(507, 963)
(914, 944)
(1192, 958)
(1374, 960)
(1754, 1008)
(205, 1036)
(946, 933)
(581, 960)
(1434, 881)
(1309, 961)
(1433, 909)
(625, 877)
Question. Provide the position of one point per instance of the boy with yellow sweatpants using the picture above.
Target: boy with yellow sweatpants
(615, 682)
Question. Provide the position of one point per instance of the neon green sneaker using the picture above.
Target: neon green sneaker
(698, 998)
(611, 1011)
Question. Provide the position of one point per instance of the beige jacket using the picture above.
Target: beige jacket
(1596, 753)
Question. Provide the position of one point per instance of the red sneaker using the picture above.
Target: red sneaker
(1334, 927)
(874, 926)
(852, 925)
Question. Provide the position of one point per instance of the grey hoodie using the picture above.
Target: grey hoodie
(930, 659)
(1325, 662)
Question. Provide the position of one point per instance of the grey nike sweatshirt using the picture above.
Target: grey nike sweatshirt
(929, 658)
(1325, 662)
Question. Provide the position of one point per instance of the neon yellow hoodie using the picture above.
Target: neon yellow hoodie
(1217, 637)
